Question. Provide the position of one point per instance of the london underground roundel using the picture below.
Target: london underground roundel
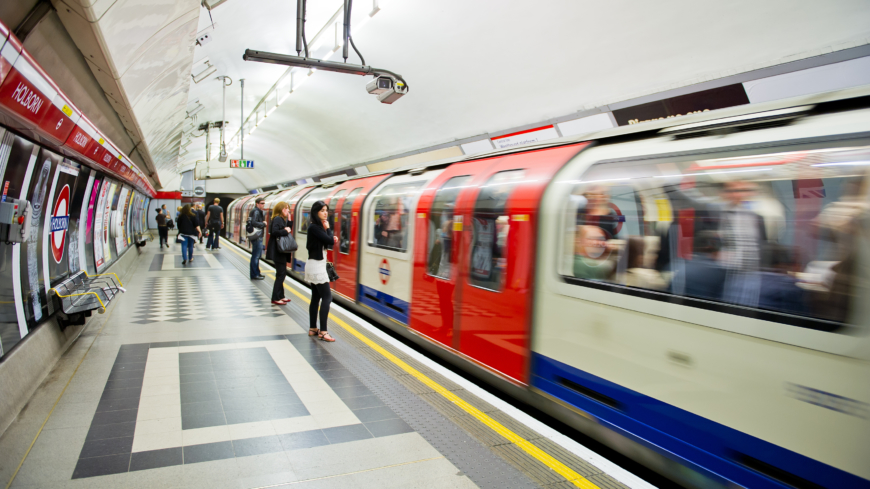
(384, 271)
(59, 224)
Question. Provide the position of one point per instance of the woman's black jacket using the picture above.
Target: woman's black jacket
(318, 238)
(187, 224)
(276, 229)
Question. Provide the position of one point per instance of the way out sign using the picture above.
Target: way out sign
(241, 163)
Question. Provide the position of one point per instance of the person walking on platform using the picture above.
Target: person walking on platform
(320, 238)
(257, 220)
(215, 220)
(189, 229)
(281, 225)
(162, 229)
(200, 215)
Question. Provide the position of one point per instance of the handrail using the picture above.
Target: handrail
(103, 275)
(102, 306)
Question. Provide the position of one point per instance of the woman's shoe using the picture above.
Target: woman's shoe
(313, 332)
(325, 336)
(184, 262)
(278, 303)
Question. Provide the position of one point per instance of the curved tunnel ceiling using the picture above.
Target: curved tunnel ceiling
(480, 67)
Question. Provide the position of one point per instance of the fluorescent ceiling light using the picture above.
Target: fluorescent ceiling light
(208, 71)
(845, 163)
(195, 110)
(271, 110)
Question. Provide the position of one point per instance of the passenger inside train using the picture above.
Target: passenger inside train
(775, 232)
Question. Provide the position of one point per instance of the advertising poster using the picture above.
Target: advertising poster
(16, 155)
(33, 290)
(99, 213)
(120, 217)
(80, 210)
(106, 222)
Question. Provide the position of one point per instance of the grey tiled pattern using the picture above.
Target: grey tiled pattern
(234, 386)
(224, 387)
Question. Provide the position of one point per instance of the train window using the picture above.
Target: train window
(333, 203)
(305, 208)
(441, 226)
(344, 225)
(776, 236)
(490, 226)
(390, 215)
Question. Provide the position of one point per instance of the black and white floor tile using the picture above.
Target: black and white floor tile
(201, 297)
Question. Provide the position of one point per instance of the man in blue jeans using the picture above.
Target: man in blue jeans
(257, 220)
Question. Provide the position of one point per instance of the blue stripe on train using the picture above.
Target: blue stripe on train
(298, 265)
(667, 429)
(384, 303)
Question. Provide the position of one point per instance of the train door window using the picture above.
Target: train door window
(440, 245)
(333, 202)
(775, 236)
(344, 225)
(490, 225)
(390, 208)
(305, 208)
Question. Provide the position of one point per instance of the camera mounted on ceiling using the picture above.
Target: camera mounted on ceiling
(388, 86)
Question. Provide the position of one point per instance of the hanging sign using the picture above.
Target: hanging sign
(242, 164)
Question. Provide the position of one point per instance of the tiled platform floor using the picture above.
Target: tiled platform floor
(193, 379)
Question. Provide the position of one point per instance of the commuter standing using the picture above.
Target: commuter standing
(189, 229)
(257, 220)
(215, 220)
(281, 225)
(200, 216)
(162, 229)
(320, 238)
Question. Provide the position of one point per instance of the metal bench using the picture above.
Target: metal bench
(81, 294)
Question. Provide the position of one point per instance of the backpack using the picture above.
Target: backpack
(169, 223)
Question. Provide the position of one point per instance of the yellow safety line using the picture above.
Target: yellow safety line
(103, 306)
(15, 474)
(528, 447)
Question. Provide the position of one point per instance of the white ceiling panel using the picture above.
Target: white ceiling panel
(482, 67)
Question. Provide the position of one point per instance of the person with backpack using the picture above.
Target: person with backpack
(189, 229)
(320, 239)
(162, 228)
(281, 225)
(255, 227)
(214, 219)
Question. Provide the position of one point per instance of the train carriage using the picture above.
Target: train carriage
(694, 296)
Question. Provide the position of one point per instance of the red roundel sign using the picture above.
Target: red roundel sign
(59, 224)
(384, 271)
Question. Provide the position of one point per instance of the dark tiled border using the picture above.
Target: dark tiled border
(108, 445)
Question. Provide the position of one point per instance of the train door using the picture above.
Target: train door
(238, 218)
(302, 220)
(333, 202)
(385, 260)
(284, 196)
(435, 251)
(496, 259)
(347, 228)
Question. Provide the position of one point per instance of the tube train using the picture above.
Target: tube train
(694, 295)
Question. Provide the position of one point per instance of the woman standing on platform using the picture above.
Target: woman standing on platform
(320, 238)
(188, 228)
(280, 226)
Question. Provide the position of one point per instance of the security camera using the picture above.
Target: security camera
(389, 96)
(379, 85)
